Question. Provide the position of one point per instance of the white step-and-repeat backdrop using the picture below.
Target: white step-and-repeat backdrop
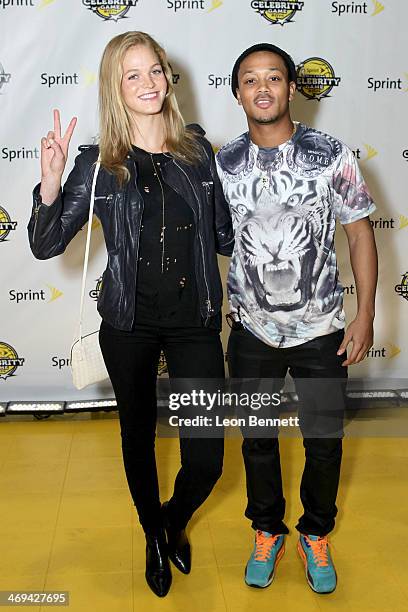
(354, 64)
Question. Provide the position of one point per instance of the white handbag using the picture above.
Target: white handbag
(87, 364)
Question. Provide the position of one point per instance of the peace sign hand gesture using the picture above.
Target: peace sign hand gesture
(54, 154)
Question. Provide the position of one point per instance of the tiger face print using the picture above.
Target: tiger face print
(279, 245)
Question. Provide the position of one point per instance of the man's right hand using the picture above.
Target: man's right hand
(54, 154)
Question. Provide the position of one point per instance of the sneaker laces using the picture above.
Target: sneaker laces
(320, 550)
(263, 545)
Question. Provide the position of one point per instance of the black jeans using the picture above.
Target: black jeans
(248, 357)
(131, 360)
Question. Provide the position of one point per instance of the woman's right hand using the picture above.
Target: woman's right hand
(54, 154)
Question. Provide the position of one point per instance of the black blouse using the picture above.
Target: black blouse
(166, 292)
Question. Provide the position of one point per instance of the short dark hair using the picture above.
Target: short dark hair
(289, 63)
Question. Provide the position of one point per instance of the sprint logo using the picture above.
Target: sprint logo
(215, 4)
(369, 153)
(386, 223)
(35, 296)
(378, 8)
(54, 293)
(357, 8)
(44, 3)
(194, 5)
(388, 84)
(88, 78)
(389, 351)
(403, 222)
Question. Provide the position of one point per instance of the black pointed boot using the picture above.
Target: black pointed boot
(158, 573)
(178, 545)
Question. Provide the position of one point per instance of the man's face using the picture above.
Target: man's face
(263, 88)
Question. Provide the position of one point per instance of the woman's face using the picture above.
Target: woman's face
(144, 85)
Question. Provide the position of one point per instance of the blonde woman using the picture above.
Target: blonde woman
(164, 218)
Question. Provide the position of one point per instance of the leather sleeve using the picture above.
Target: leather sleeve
(223, 221)
(224, 234)
(52, 227)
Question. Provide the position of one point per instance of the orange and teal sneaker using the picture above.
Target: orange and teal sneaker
(268, 551)
(320, 572)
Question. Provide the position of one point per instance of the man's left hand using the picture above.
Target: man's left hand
(360, 333)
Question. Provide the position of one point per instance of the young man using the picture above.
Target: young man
(286, 184)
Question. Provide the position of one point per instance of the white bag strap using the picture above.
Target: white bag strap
(88, 242)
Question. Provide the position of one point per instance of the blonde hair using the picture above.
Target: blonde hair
(115, 135)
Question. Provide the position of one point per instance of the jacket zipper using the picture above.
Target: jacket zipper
(138, 244)
(36, 211)
(208, 301)
(140, 226)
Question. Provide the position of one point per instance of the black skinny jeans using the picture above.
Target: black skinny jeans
(131, 359)
(322, 411)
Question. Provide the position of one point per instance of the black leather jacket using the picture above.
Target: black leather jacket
(120, 211)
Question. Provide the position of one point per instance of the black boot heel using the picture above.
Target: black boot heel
(178, 545)
(158, 573)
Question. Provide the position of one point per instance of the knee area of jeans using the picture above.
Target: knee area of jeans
(136, 442)
(214, 471)
(323, 448)
(321, 426)
(205, 471)
(321, 434)
(217, 473)
(258, 446)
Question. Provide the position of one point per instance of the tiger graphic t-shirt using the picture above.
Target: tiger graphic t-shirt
(283, 283)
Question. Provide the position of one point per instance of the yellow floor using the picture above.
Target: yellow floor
(67, 523)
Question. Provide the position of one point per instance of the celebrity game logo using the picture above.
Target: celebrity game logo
(110, 10)
(6, 224)
(9, 360)
(316, 78)
(277, 13)
(174, 75)
(402, 288)
(94, 293)
(4, 76)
